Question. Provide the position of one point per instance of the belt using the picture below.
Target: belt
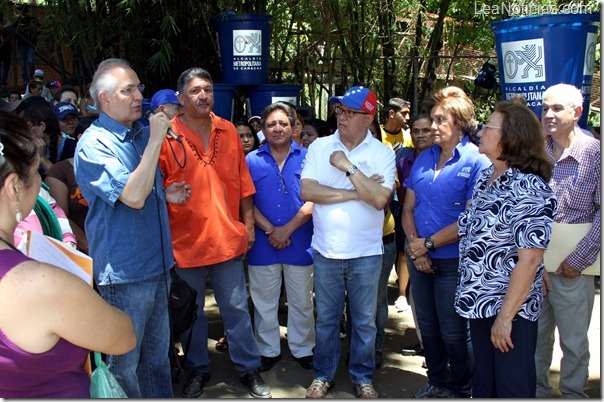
(389, 238)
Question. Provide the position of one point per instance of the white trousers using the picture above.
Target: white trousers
(265, 288)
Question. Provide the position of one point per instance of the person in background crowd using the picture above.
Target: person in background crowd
(45, 92)
(503, 235)
(569, 288)
(283, 236)
(519, 99)
(64, 316)
(313, 129)
(28, 28)
(14, 96)
(249, 139)
(396, 129)
(439, 188)
(297, 129)
(43, 122)
(66, 93)
(374, 128)
(395, 133)
(347, 252)
(595, 132)
(34, 88)
(222, 193)
(7, 33)
(388, 259)
(254, 121)
(421, 136)
(87, 106)
(116, 169)
(53, 87)
(166, 101)
(60, 178)
(68, 117)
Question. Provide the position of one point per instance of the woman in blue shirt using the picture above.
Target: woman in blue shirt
(439, 189)
(503, 235)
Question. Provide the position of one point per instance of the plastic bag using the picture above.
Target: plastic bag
(102, 383)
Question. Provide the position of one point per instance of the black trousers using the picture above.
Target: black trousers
(504, 375)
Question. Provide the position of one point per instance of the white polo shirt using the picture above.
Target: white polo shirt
(349, 229)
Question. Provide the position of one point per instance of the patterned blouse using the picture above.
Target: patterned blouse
(516, 211)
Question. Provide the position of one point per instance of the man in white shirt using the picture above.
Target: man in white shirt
(347, 239)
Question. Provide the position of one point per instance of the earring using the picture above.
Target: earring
(19, 216)
(460, 137)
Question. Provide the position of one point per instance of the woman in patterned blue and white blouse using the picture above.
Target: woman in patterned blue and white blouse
(503, 235)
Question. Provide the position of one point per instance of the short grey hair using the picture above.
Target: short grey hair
(188, 75)
(519, 96)
(566, 91)
(104, 80)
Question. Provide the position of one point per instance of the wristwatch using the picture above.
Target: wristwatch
(429, 244)
(351, 170)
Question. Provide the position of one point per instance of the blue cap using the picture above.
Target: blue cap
(162, 97)
(62, 109)
(357, 98)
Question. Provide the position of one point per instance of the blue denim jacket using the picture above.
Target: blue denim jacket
(127, 245)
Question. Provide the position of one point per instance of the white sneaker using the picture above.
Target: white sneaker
(401, 304)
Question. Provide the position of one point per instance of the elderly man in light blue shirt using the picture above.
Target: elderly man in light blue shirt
(127, 223)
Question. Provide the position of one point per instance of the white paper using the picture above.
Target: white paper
(563, 242)
(44, 249)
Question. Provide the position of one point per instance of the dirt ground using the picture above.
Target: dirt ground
(399, 377)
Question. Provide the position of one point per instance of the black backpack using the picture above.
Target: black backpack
(183, 308)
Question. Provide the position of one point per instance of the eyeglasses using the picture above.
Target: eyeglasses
(129, 90)
(348, 113)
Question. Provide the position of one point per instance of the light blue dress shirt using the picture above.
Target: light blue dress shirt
(127, 245)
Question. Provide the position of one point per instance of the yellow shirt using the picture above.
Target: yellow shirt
(388, 227)
(395, 140)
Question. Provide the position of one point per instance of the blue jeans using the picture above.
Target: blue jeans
(228, 282)
(26, 59)
(445, 334)
(144, 372)
(359, 277)
(381, 316)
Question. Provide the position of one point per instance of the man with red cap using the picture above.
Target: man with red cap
(349, 176)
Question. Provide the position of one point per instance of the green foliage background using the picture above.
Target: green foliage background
(325, 45)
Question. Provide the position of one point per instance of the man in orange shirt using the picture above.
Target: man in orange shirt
(207, 234)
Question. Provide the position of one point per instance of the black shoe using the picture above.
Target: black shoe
(416, 350)
(378, 360)
(194, 385)
(305, 362)
(267, 363)
(258, 388)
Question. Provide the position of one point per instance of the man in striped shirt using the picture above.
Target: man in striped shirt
(569, 294)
